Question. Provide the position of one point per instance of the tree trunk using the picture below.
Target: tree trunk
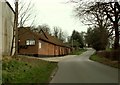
(16, 28)
(116, 42)
(115, 23)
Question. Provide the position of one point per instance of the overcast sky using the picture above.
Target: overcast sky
(56, 13)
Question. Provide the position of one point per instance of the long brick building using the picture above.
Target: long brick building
(40, 44)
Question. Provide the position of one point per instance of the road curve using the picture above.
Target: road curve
(80, 69)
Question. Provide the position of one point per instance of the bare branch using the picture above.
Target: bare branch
(108, 15)
(25, 19)
(24, 13)
(21, 8)
(33, 21)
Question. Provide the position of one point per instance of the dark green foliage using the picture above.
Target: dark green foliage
(113, 55)
(77, 39)
(88, 37)
(97, 38)
(107, 61)
(102, 15)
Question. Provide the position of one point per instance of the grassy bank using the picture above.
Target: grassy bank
(26, 70)
(105, 61)
(78, 52)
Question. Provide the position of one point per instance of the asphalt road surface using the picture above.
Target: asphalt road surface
(80, 69)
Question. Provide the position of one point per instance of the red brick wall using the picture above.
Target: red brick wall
(46, 48)
(62, 51)
(50, 49)
(23, 36)
(43, 50)
(56, 50)
(66, 51)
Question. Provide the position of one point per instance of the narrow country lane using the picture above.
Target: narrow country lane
(80, 69)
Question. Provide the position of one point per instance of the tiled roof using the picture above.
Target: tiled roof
(51, 39)
(46, 37)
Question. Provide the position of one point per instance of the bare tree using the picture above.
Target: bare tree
(56, 31)
(112, 10)
(44, 27)
(22, 15)
(61, 35)
(104, 15)
(25, 13)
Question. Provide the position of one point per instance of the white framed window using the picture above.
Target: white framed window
(39, 45)
(30, 42)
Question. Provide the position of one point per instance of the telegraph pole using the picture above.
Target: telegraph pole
(16, 27)
(72, 44)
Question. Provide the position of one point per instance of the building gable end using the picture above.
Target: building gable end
(41, 31)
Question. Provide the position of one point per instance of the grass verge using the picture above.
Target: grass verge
(78, 52)
(105, 61)
(26, 70)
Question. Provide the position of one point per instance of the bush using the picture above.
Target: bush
(112, 55)
(106, 61)
(97, 38)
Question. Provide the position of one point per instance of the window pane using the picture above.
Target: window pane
(30, 42)
(39, 45)
(27, 42)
